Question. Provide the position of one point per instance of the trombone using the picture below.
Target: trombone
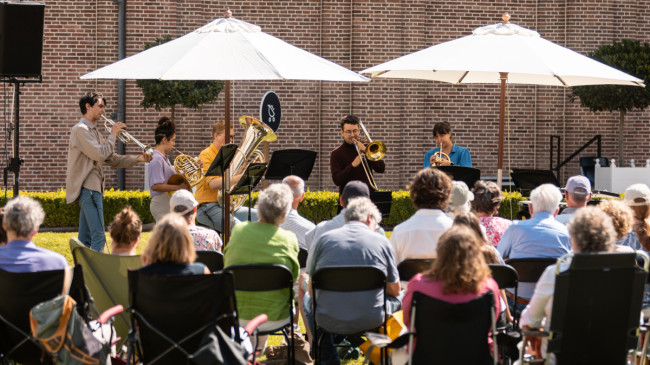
(125, 137)
(375, 151)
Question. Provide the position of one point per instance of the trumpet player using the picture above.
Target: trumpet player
(210, 211)
(457, 156)
(345, 161)
(88, 151)
(160, 169)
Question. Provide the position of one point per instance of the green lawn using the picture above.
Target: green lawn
(59, 242)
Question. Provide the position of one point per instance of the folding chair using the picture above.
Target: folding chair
(212, 259)
(339, 279)
(171, 314)
(106, 278)
(302, 257)
(596, 308)
(410, 267)
(529, 270)
(19, 292)
(267, 277)
(508, 335)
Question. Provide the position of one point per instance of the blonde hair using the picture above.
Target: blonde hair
(125, 228)
(218, 127)
(170, 242)
(458, 264)
(621, 215)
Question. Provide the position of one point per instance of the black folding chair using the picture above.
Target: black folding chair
(267, 277)
(529, 270)
(596, 307)
(212, 259)
(171, 314)
(410, 267)
(302, 257)
(19, 292)
(347, 279)
(508, 335)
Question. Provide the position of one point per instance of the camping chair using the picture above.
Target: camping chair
(19, 292)
(528, 270)
(508, 335)
(106, 278)
(267, 277)
(596, 308)
(410, 267)
(212, 259)
(172, 315)
(338, 279)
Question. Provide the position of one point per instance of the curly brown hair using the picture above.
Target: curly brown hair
(459, 263)
(430, 189)
(487, 197)
(621, 215)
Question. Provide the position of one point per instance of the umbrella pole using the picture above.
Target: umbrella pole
(502, 113)
(226, 181)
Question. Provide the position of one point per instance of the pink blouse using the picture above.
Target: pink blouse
(494, 228)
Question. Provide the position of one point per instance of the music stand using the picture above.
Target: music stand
(468, 175)
(291, 162)
(222, 161)
(249, 181)
(526, 179)
(383, 201)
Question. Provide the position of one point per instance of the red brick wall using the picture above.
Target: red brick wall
(355, 34)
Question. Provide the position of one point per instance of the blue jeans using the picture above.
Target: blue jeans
(91, 220)
(211, 215)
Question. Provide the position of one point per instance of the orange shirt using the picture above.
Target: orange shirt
(204, 193)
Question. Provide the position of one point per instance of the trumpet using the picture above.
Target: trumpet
(375, 151)
(125, 137)
(188, 170)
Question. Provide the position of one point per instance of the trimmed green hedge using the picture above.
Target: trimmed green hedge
(317, 206)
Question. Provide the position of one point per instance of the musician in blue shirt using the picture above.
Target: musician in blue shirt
(458, 156)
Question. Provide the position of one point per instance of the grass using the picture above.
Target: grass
(59, 242)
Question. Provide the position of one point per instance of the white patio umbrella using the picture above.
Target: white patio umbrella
(499, 53)
(226, 49)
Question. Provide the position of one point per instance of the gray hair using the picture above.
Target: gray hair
(545, 198)
(592, 230)
(296, 184)
(23, 215)
(358, 209)
(274, 202)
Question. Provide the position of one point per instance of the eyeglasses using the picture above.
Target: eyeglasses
(353, 131)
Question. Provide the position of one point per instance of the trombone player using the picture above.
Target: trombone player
(346, 163)
(87, 153)
(210, 210)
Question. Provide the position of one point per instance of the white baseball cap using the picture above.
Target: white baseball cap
(182, 198)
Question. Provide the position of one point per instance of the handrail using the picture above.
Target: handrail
(559, 165)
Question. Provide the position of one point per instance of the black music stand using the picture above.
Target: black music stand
(383, 201)
(291, 162)
(249, 181)
(468, 175)
(222, 161)
(526, 179)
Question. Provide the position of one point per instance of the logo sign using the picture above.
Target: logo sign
(270, 112)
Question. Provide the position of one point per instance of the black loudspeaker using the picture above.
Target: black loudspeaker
(21, 39)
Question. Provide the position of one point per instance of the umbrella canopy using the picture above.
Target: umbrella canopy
(226, 49)
(499, 53)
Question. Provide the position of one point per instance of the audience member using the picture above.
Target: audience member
(417, 236)
(354, 244)
(458, 275)
(540, 236)
(264, 242)
(460, 200)
(487, 203)
(205, 239)
(637, 196)
(23, 216)
(591, 231)
(577, 193)
(125, 232)
(623, 219)
(170, 250)
(295, 222)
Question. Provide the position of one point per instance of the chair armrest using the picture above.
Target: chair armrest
(110, 313)
(535, 333)
(382, 341)
(254, 323)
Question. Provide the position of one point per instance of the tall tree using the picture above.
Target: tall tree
(632, 57)
(163, 94)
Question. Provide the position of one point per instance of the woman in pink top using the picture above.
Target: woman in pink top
(487, 203)
(458, 275)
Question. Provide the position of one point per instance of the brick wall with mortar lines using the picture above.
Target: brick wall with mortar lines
(354, 34)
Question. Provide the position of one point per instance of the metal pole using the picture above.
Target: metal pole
(16, 161)
(226, 180)
(121, 85)
(502, 114)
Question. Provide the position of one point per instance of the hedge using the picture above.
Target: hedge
(317, 206)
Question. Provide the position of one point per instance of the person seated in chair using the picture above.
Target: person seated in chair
(577, 193)
(170, 250)
(23, 216)
(591, 230)
(487, 204)
(459, 274)
(205, 239)
(125, 232)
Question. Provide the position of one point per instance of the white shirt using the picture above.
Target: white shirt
(298, 225)
(417, 237)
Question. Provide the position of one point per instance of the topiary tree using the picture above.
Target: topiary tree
(632, 57)
(163, 94)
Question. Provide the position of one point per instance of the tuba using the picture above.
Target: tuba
(255, 133)
(125, 137)
(188, 170)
